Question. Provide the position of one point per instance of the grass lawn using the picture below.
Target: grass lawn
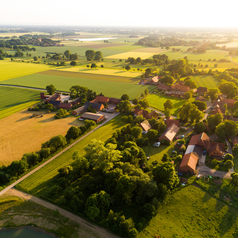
(207, 81)
(9, 70)
(191, 212)
(42, 180)
(15, 212)
(16, 99)
(64, 83)
(158, 100)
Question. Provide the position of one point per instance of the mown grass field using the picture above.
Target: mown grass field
(158, 100)
(64, 83)
(16, 99)
(205, 81)
(21, 134)
(42, 180)
(103, 71)
(191, 212)
(9, 70)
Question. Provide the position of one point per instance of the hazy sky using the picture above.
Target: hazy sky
(174, 13)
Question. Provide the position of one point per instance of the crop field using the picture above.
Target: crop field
(191, 212)
(15, 99)
(205, 81)
(21, 134)
(229, 45)
(9, 70)
(151, 50)
(134, 54)
(64, 83)
(158, 100)
(104, 71)
(39, 182)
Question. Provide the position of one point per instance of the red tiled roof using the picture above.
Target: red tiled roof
(169, 122)
(189, 162)
(181, 87)
(101, 99)
(145, 125)
(163, 86)
(170, 133)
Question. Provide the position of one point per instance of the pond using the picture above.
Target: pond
(24, 232)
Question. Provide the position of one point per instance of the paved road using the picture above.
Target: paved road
(109, 117)
(98, 230)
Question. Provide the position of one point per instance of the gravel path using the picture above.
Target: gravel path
(82, 222)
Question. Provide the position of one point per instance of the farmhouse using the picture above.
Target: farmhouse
(221, 101)
(200, 98)
(170, 133)
(114, 101)
(170, 121)
(164, 87)
(202, 90)
(100, 99)
(182, 88)
(145, 125)
(95, 105)
(93, 116)
(150, 81)
(189, 162)
(145, 114)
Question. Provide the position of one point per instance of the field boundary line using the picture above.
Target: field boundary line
(57, 155)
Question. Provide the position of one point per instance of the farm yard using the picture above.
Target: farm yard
(191, 212)
(91, 81)
(42, 180)
(16, 99)
(21, 134)
(157, 101)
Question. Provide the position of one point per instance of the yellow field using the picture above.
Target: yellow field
(134, 54)
(229, 45)
(21, 34)
(151, 50)
(114, 72)
(21, 134)
(9, 70)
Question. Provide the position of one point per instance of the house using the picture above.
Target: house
(114, 101)
(202, 90)
(200, 98)
(150, 80)
(170, 133)
(222, 101)
(77, 111)
(170, 121)
(182, 88)
(145, 125)
(216, 109)
(189, 162)
(145, 113)
(43, 96)
(95, 105)
(163, 87)
(93, 116)
(100, 99)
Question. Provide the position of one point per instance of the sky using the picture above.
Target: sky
(131, 13)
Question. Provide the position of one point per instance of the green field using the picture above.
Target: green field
(9, 70)
(42, 180)
(64, 83)
(205, 81)
(191, 212)
(158, 100)
(16, 99)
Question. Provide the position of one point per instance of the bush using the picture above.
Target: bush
(215, 162)
(61, 113)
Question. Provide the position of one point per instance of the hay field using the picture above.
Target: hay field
(125, 55)
(9, 70)
(20, 134)
(104, 71)
(16, 99)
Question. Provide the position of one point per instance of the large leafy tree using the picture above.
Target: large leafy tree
(50, 89)
(90, 54)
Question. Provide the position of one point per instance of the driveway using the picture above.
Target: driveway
(203, 170)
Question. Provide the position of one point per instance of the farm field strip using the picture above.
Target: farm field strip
(9, 70)
(103, 71)
(64, 83)
(134, 54)
(205, 81)
(41, 180)
(16, 99)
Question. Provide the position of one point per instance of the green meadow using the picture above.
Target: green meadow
(157, 101)
(62, 83)
(16, 99)
(207, 81)
(191, 212)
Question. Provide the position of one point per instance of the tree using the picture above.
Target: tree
(57, 142)
(146, 91)
(168, 104)
(124, 106)
(61, 113)
(90, 54)
(50, 89)
(135, 101)
(152, 135)
(128, 67)
(93, 65)
(73, 63)
(67, 54)
(229, 164)
(200, 105)
(35, 58)
(195, 114)
(73, 133)
(235, 149)
(124, 97)
(213, 93)
(184, 112)
(142, 94)
(228, 157)
(188, 95)
(139, 119)
(234, 177)
(199, 127)
(144, 103)
(98, 55)
(49, 106)
(167, 113)
(165, 158)
(136, 131)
